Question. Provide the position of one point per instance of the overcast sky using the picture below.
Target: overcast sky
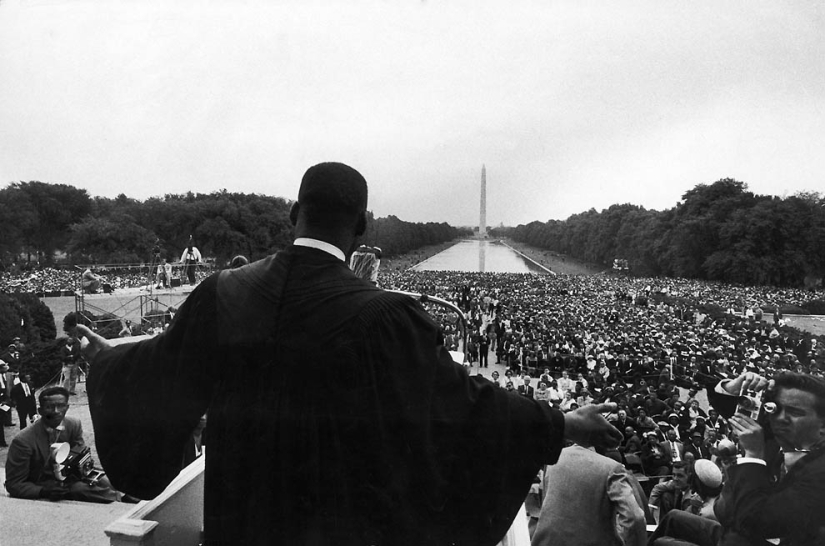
(570, 105)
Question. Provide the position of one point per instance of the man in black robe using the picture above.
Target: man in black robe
(393, 443)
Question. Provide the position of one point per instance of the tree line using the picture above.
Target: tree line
(719, 232)
(39, 221)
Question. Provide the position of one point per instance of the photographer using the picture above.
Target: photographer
(190, 259)
(30, 465)
(774, 491)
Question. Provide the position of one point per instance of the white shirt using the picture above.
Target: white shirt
(321, 245)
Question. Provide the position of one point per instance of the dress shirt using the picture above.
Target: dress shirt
(674, 451)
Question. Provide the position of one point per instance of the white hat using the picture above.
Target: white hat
(708, 473)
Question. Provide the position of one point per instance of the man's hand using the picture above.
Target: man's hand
(54, 491)
(751, 436)
(91, 343)
(748, 381)
(587, 427)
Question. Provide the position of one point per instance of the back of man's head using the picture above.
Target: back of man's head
(332, 192)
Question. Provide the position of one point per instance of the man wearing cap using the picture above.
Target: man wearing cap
(697, 446)
(394, 443)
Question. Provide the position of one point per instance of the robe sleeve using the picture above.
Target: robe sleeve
(479, 447)
(145, 398)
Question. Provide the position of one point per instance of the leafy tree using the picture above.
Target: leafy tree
(57, 206)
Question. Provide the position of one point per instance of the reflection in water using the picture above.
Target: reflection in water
(475, 255)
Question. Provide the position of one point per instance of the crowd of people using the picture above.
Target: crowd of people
(607, 328)
(395, 443)
(68, 280)
(650, 346)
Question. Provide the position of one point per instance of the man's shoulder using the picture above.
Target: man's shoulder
(69, 421)
(26, 436)
(665, 486)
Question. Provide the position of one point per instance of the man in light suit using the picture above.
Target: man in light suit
(673, 447)
(30, 468)
(589, 500)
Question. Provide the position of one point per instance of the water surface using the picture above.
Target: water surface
(479, 256)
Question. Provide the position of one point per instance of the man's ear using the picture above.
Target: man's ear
(293, 213)
(361, 226)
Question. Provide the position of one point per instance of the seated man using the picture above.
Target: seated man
(673, 494)
(30, 468)
(90, 281)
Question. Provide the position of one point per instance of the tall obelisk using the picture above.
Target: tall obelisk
(482, 221)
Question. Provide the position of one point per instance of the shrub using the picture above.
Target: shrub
(26, 316)
(790, 309)
(44, 362)
(815, 307)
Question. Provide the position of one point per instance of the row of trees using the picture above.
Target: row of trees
(719, 232)
(38, 219)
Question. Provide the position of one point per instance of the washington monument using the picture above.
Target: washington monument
(482, 221)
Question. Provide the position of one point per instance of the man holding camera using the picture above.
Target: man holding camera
(776, 490)
(31, 469)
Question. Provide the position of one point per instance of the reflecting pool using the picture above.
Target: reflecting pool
(483, 256)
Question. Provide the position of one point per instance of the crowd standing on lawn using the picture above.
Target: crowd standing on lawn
(572, 341)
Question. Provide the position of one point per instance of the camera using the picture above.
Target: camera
(80, 465)
(751, 403)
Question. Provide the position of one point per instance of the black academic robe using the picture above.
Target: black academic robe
(336, 416)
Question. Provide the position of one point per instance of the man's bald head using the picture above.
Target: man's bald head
(332, 200)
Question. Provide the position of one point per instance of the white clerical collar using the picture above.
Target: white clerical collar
(321, 245)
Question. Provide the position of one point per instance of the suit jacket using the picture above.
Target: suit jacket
(393, 444)
(528, 391)
(584, 493)
(23, 402)
(701, 451)
(756, 504)
(27, 462)
(680, 448)
(622, 424)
